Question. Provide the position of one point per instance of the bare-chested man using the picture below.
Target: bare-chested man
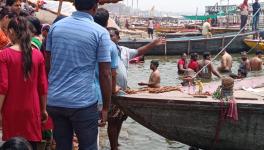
(226, 62)
(256, 62)
(154, 79)
(243, 68)
(245, 63)
(207, 71)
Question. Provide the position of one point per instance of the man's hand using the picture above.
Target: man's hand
(104, 115)
(44, 117)
(159, 41)
(117, 89)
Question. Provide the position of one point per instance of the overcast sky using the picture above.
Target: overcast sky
(179, 5)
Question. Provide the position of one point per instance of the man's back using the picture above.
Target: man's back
(227, 61)
(150, 24)
(206, 73)
(256, 64)
(76, 44)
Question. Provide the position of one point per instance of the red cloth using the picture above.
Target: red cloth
(181, 62)
(21, 108)
(134, 60)
(232, 110)
(193, 65)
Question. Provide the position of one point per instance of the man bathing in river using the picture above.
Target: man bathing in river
(256, 62)
(154, 79)
(182, 64)
(226, 62)
(207, 71)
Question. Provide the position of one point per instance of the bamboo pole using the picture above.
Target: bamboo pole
(59, 8)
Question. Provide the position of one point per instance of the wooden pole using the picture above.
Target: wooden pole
(165, 48)
(59, 8)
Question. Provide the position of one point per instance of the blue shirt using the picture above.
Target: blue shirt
(256, 6)
(114, 65)
(76, 44)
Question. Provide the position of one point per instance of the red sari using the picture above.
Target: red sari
(21, 108)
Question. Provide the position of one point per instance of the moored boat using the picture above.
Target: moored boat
(255, 43)
(195, 121)
(199, 44)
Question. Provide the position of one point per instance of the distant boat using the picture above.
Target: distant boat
(255, 43)
(194, 121)
(199, 44)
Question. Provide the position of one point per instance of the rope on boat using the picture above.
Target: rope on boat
(226, 45)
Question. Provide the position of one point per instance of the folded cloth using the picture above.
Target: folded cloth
(232, 110)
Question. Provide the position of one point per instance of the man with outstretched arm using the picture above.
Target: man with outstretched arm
(116, 116)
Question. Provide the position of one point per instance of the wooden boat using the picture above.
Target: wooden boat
(218, 30)
(255, 43)
(195, 121)
(180, 34)
(199, 44)
(196, 32)
(169, 29)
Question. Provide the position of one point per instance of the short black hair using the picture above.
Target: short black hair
(58, 18)
(183, 54)
(155, 62)
(17, 143)
(24, 13)
(206, 54)
(101, 17)
(112, 29)
(194, 55)
(11, 2)
(35, 25)
(259, 52)
(6, 11)
(85, 4)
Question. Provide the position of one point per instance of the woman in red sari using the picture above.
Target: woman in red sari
(23, 85)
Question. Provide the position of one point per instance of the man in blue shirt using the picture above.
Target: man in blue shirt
(101, 17)
(76, 45)
(256, 12)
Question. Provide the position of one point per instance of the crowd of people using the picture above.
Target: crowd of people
(84, 65)
(56, 81)
(205, 68)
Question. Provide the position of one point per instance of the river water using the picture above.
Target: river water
(134, 136)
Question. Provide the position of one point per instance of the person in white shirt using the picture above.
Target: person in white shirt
(244, 10)
(207, 29)
(150, 28)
